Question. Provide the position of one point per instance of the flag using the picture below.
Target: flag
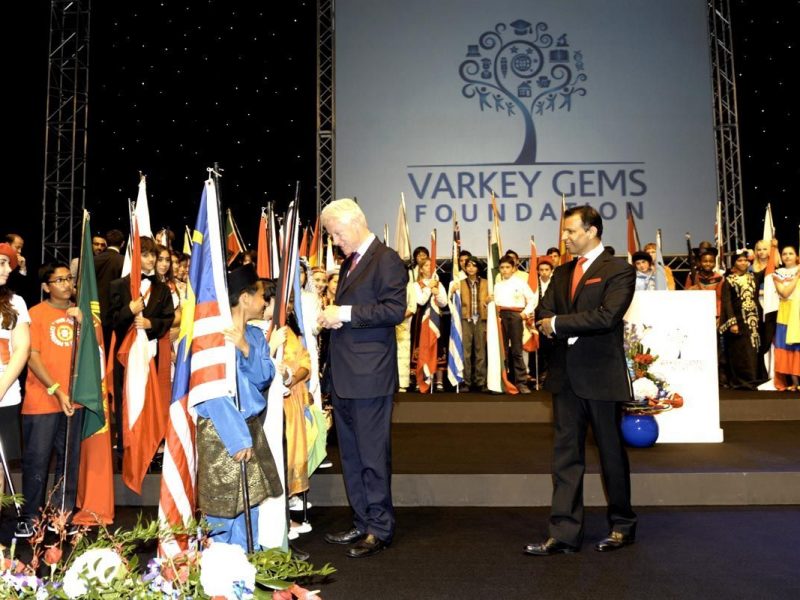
(530, 337)
(141, 212)
(771, 298)
(143, 417)
(233, 239)
(315, 248)
(562, 245)
(330, 261)
(204, 367)
(187, 241)
(661, 272)
(402, 239)
(633, 235)
(496, 378)
(455, 346)
(264, 258)
(304, 244)
(162, 237)
(429, 334)
(96, 469)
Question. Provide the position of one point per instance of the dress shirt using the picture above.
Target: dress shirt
(590, 257)
(345, 311)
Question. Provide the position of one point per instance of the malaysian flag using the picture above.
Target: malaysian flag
(204, 368)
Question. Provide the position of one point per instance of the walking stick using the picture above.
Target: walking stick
(7, 474)
(242, 464)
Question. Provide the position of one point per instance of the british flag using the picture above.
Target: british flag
(204, 367)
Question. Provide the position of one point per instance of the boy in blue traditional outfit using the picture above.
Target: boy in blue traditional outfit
(227, 435)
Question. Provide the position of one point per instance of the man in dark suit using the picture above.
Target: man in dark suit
(362, 358)
(108, 267)
(152, 311)
(582, 311)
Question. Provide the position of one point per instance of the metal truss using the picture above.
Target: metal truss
(326, 104)
(726, 123)
(64, 194)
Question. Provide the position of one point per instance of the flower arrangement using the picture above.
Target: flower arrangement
(106, 565)
(651, 392)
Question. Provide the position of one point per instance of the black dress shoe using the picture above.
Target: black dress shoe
(614, 541)
(298, 553)
(344, 537)
(368, 546)
(549, 547)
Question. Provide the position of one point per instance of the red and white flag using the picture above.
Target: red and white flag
(143, 418)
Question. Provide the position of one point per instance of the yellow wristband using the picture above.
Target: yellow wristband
(52, 389)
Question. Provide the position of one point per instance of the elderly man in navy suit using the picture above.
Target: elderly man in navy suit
(582, 311)
(370, 301)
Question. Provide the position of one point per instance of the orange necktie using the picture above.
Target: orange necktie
(576, 276)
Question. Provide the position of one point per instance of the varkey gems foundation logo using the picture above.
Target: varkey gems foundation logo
(523, 72)
(520, 71)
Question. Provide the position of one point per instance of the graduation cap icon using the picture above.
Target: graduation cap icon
(521, 27)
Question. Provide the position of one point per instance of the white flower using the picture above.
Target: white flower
(98, 565)
(221, 566)
(643, 388)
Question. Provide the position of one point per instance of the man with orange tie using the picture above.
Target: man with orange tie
(582, 312)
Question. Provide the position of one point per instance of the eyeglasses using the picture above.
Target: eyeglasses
(60, 280)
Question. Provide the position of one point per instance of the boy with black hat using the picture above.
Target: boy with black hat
(228, 434)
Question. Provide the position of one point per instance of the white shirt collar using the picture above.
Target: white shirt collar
(592, 254)
(365, 244)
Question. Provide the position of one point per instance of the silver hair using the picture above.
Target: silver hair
(344, 210)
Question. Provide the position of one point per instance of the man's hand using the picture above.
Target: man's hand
(75, 313)
(330, 319)
(243, 455)
(735, 329)
(142, 322)
(137, 305)
(65, 402)
(21, 262)
(545, 327)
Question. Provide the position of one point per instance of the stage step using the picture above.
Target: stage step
(446, 407)
(493, 464)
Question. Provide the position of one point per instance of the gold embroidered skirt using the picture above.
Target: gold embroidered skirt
(219, 477)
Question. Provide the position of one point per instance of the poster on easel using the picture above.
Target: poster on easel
(674, 334)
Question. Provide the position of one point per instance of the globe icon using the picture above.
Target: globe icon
(522, 62)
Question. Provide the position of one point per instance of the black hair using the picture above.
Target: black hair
(46, 270)
(551, 250)
(506, 259)
(419, 250)
(589, 217)
(114, 237)
(270, 288)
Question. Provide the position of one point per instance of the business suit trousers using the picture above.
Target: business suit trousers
(571, 417)
(363, 429)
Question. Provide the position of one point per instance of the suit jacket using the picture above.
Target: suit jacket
(595, 364)
(363, 352)
(159, 308)
(107, 268)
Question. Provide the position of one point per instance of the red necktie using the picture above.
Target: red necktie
(576, 276)
(353, 262)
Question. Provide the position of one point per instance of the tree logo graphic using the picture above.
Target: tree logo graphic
(523, 71)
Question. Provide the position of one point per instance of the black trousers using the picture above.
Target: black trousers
(512, 343)
(571, 417)
(363, 428)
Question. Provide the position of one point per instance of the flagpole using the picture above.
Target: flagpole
(215, 172)
(76, 332)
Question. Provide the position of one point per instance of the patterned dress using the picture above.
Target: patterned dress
(740, 307)
(787, 333)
